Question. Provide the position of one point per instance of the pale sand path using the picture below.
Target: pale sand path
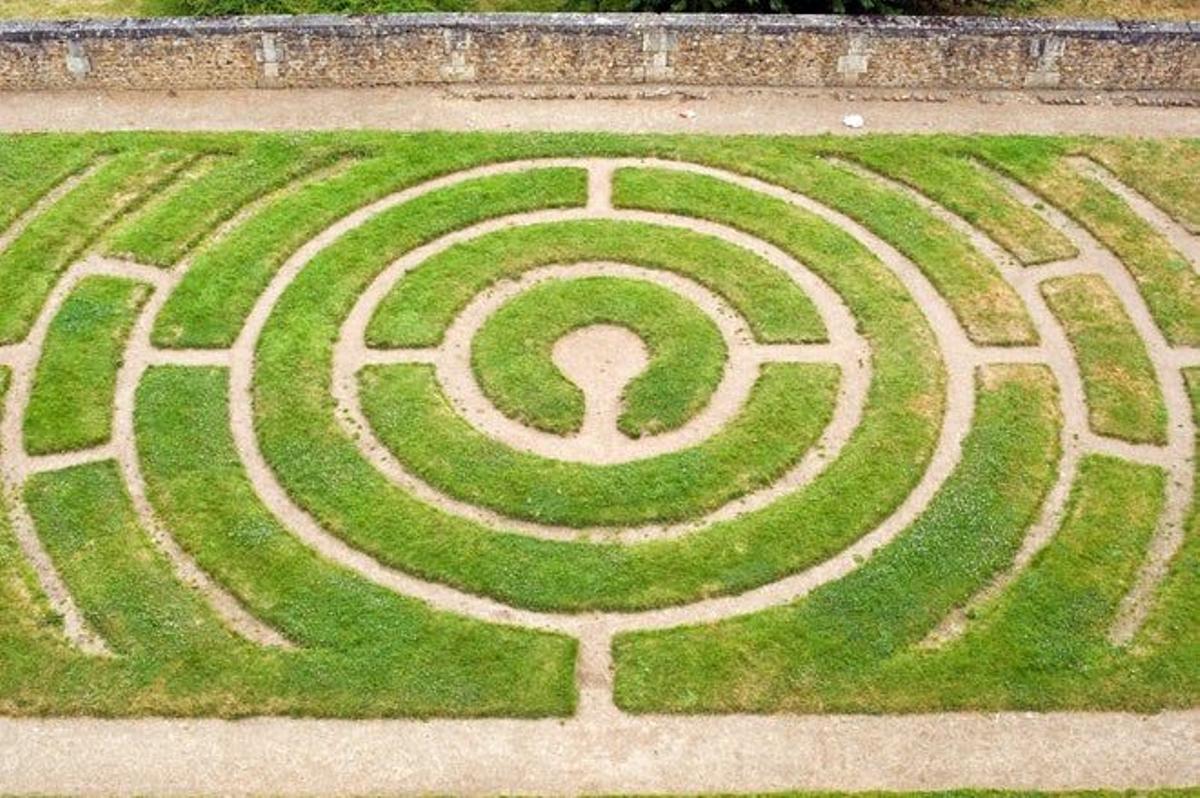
(619, 755)
(601, 749)
(629, 109)
(604, 444)
(1055, 350)
(956, 350)
(847, 349)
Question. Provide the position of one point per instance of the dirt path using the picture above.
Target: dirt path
(626, 109)
(623, 755)
(958, 353)
(601, 749)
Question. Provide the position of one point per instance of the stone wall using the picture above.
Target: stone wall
(685, 50)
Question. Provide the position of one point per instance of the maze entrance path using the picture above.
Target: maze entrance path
(865, 454)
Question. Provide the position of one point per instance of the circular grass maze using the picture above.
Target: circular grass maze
(369, 426)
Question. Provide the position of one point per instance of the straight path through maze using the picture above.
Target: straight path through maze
(360, 349)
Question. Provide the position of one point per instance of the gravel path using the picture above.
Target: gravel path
(602, 749)
(623, 755)
(626, 109)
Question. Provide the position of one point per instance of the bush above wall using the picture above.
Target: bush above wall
(215, 8)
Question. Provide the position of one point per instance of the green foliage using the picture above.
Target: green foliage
(768, 6)
(223, 8)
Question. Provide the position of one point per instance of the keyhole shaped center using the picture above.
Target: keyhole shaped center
(601, 359)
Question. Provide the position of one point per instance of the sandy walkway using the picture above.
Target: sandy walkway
(601, 749)
(626, 755)
(715, 111)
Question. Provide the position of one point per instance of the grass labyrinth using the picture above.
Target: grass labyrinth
(372, 425)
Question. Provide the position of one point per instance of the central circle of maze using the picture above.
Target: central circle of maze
(782, 421)
(416, 401)
(729, 402)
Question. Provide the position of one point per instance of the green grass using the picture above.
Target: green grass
(1165, 279)
(164, 234)
(31, 264)
(150, 227)
(1163, 171)
(976, 196)
(512, 354)
(322, 469)
(1171, 631)
(211, 304)
(71, 403)
(365, 650)
(787, 410)
(1043, 643)
(1123, 397)
(989, 309)
(813, 655)
(420, 307)
(175, 657)
(30, 633)
(362, 651)
(128, 595)
(31, 166)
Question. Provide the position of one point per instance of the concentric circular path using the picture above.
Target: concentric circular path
(499, 557)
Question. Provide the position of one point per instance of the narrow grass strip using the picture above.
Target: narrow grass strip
(1169, 642)
(1162, 170)
(976, 196)
(1123, 396)
(422, 305)
(988, 307)
(32, 643)
(512, 354)
(1166, 280)
(166, 233)
(31, 640)
(124, 587)
(32, 165)
(210, 306)
(883, 460)
(788, 408)
(71, 404)
(367, 650)
(32, 264)
(25, 614)
(1043, 644)
(810, 656)
(130, 233)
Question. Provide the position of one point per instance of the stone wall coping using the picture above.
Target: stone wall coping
(583, 23)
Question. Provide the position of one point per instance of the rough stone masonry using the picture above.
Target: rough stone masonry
(964, 54)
